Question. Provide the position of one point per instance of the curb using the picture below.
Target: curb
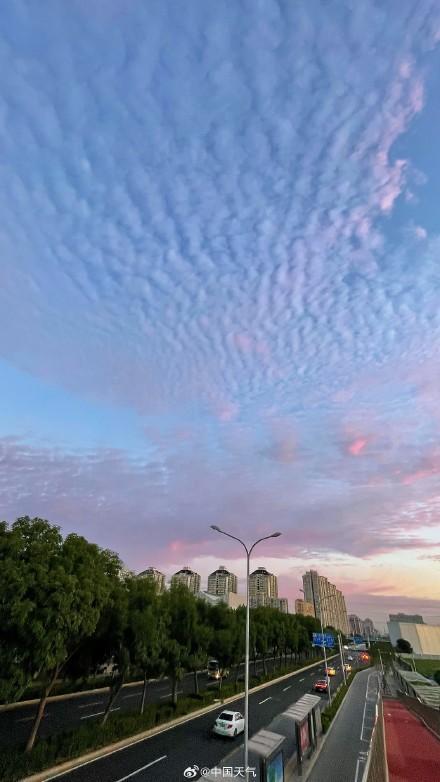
(82, 760)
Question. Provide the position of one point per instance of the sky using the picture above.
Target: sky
(220, 285)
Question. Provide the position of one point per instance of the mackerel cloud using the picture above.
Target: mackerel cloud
(214, 220)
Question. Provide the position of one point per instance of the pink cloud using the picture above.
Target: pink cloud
(393, 187)
(357, 446)
(428, 467)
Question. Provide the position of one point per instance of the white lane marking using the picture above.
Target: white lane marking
(287, 688)
(133, 695)
(107, 755)
(169, 694)
(368, 701)
(302, 680)
(133, 773)
(98, 713)
(362, 759)
(93, 703)
(265, 700)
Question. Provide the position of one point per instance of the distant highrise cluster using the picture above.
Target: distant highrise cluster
(327, 600)
(362, 627)
(222, 587)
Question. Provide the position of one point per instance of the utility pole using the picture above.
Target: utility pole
(342, 658)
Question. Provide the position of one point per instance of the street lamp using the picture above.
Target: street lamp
(246, 658)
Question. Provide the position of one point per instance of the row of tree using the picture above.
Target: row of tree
(66, 608)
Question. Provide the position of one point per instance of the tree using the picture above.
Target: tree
(52, 594)
(200, 641)
(145, 632)
(261, 623)
(403, 646)
(179, 612)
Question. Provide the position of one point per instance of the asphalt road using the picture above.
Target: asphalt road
(344, 755)
(72, 712)
(165, 756)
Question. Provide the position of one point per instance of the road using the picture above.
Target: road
(72, 712)
(165, 756)
(343, 756)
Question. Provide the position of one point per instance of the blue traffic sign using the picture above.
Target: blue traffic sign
(318, 639)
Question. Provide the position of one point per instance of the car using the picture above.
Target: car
(349, 657)
(215, 671)
(331, 671)
(321, 686)
(229, 723)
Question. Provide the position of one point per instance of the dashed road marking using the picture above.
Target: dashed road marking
(138, 770)
(98, 713)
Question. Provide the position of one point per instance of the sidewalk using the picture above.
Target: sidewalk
(345, 749)
(413, 752)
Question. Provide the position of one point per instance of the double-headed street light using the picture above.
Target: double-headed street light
(246, 659)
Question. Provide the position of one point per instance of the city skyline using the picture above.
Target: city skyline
(238, 586)
(220, 298)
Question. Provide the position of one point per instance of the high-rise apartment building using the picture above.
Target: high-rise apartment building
(221, 582)
(187, 577)
(261, 582)
(154, 575)
(356, 625)
(304, 608)
(263, 591)
(328, 601)
(369, 629)
(280, 603)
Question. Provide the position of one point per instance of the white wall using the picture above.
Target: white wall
(424, 639)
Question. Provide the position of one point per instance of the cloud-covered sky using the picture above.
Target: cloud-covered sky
(220, 284)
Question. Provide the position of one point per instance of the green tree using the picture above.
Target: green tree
(200, 642)
(262, 640)
(403, 646)
(145, 631)
(180, 617)
(52, 594)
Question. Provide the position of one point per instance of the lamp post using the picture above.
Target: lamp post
(246, 658)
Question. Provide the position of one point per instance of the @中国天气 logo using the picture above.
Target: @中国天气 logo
(193, 771)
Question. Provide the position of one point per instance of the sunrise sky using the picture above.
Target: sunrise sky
(220, 284)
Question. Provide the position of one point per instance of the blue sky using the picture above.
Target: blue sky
(220, 285)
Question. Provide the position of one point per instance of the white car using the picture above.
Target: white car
(229, 723)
